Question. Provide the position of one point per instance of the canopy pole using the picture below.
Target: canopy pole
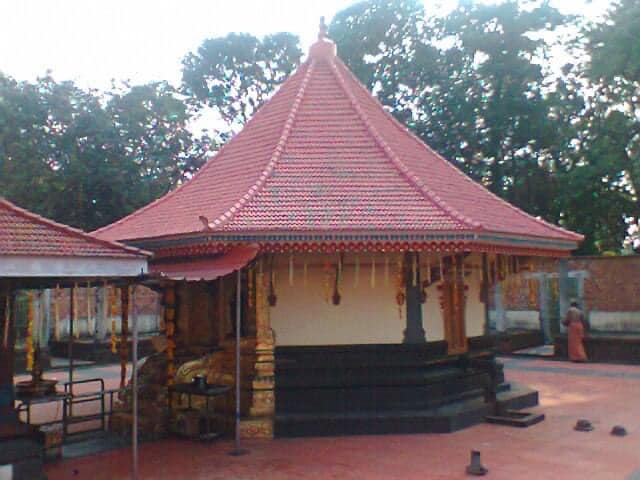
(237, 450)
(72, 314)
(134, 384)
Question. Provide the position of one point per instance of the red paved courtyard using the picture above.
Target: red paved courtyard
(605, 394)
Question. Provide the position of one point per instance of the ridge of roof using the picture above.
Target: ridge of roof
(395, 160)
(61, 227)
(258, 185)
(425, 146)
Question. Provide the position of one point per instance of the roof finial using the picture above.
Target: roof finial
(322, 33)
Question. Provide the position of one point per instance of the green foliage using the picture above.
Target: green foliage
(86, 160)
(235, 74)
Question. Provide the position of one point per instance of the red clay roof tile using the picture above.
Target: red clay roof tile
(26, 233)
(324, 156)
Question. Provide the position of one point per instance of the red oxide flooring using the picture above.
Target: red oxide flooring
(605, 394)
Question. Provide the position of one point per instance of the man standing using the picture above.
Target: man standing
(574, 321)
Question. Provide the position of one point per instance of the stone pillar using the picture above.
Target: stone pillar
(103, 322)
(563, 290)
(414, 331)
(259, 422)
(501, 318)
(543, 300)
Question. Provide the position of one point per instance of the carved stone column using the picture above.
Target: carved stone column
(259, 423)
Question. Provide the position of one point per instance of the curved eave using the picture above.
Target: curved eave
(466, 240)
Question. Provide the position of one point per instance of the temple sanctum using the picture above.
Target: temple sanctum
(365, 259)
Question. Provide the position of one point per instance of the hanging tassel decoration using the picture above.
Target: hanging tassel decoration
(336, 294)
(305, 272)
(373, 271)
(386, 270)
(429, 269)
(272, 298)
(327, 281)
(291, 270)
(400, 287)
(250, 287)
(356, 277)
(441, 267)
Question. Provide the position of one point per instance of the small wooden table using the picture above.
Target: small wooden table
(208, 392)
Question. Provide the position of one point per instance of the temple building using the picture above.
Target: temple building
(366, 259)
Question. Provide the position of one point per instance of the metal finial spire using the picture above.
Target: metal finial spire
(322, 33)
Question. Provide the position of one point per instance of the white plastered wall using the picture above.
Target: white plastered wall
(366, 314)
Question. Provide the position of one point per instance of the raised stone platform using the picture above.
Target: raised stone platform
(374, 389)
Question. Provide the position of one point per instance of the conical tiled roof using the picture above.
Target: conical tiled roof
(323, 156)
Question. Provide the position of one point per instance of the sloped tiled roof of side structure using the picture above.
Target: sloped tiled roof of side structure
(24, 233)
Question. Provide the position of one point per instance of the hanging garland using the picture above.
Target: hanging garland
(29, 337)
(169, 303)
(124, 333)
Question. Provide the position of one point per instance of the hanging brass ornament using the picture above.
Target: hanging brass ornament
(272, 298)
(336, 294)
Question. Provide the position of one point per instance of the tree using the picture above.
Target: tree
(235, 74)
(614, 115)
(86, 160)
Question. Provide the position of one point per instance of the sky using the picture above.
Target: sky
(95, 41)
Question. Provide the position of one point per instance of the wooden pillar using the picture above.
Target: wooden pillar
(7, 354)
(259, 423)
(484, 291)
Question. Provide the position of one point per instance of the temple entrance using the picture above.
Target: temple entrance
(453, 307)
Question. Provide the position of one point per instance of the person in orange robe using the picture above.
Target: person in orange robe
(574, 321)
